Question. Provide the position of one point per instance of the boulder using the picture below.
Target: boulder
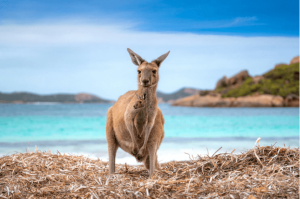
(222, 82)
(278, 101)
(236, 80)
(291, 100)
(295, 60)
(239, 78)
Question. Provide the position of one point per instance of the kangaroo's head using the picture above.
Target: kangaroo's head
(147, 72)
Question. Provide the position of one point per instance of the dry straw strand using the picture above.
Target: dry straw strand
(224, 175)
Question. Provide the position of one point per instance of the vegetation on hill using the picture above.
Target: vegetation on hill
(184, 92)
(281, 81)
(25, 97)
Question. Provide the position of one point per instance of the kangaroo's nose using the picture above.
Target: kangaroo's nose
(145, 81)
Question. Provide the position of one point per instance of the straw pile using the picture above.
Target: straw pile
(263, 172)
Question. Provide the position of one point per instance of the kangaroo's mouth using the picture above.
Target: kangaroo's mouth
(146, 84)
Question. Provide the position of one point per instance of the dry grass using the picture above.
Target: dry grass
(263, 172)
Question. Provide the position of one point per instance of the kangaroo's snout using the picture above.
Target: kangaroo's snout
(145, 82)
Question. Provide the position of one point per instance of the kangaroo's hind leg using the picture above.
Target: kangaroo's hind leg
(147, 163)
(152, 148)
(112, 144)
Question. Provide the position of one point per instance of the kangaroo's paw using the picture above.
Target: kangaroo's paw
(134, 151)
(141, 154)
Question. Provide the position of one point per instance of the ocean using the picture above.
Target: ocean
(79, 129)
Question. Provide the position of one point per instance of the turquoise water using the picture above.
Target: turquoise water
(40, 128)
(58, 126)
(25, 123)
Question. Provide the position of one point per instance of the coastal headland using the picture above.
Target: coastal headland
(277, 88)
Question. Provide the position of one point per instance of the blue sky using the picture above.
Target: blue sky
(80, 46)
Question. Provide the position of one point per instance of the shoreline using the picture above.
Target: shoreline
(172, 149)
(182, 102)
(165, 140)
(255, 101)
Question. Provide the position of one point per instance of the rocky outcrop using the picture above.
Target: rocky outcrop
(236, 79)
(239, 78)
(242, 90)
(222, 82)
(295, 60)
(216, 100)
(292, 100)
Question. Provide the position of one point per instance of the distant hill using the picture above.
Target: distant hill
(184, 92)
(25, 97)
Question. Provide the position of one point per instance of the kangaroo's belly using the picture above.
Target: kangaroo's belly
(140, 121)
(123, 136)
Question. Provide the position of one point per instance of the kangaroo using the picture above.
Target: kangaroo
(130, 128)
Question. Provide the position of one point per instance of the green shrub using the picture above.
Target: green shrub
(281, 81)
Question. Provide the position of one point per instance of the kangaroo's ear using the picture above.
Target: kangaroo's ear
(159, 60)
(135, 58)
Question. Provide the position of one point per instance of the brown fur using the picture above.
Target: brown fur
(130, 114)
(137, 131)
(138, 105)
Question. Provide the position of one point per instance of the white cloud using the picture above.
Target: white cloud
(236, 22)
(65, 57)
(242, 21)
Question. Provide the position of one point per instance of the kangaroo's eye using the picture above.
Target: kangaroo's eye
(139, 72)
(154, 71)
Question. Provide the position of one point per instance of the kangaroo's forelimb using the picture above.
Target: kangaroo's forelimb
(148, 128)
